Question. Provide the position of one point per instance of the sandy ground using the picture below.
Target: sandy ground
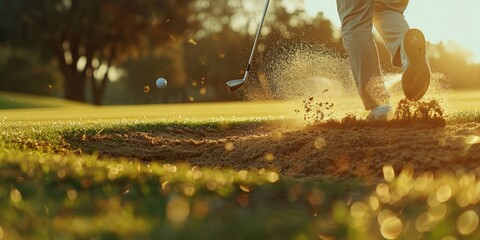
(347, 149)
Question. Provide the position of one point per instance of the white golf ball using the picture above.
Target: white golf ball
(161, 83)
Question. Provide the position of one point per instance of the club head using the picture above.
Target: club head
(234, 85)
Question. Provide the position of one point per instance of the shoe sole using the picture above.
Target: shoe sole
(416, 78)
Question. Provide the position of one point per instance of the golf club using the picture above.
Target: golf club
(234, 85)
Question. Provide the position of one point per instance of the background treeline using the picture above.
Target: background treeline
(111, 51)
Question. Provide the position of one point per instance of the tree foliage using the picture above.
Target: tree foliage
(88, 37)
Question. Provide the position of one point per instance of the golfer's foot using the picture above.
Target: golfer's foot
(416, 70)
(382, 112)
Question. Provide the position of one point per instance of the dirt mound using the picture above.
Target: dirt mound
(345, 149)
(421, 110)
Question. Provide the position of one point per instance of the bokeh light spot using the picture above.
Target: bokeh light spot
(384, 214)
(189, 190)
(170, 167)
(424, 222)
(15, 195)
(245, 188)
(388, 173)
(242, 174)
(438, 212)
(72, 194)
(178, 210)
(61, 173)
(272, 177)
(444, 193)
(420, 183)
(382, 189)
(391, 228)
(467, 222)
(463, 199)
(316, 197)
(269, 157)
(358, 210)
(229, 146)
(374, 203)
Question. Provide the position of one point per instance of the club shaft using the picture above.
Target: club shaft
(258, 34)
(234, 85)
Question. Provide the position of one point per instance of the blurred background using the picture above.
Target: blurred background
(109, 52)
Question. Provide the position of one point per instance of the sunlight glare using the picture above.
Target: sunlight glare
(430, 17)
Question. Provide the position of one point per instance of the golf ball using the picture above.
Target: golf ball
(161, 83)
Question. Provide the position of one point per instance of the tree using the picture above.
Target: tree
(22, 71)
(456, 65)
(88, 38)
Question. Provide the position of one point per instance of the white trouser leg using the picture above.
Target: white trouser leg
(356, 17)
(391, 25)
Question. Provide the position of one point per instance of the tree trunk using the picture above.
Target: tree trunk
(74, 85)
(99, 91)
(76, 92)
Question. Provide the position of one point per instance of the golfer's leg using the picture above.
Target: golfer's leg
(391, 25)
(356, 18)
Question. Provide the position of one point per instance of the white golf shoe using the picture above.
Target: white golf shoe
(382, 112)
(416, 70)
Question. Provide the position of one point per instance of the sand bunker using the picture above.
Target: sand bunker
(345, 149)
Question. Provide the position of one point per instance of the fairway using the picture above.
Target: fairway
(451, 101)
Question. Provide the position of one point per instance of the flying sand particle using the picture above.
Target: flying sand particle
(277, 135)
(318, 67)
(203, 91)
(442, 142)
(193, 42)
(320, 143)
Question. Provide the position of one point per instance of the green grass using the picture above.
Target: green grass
(10, 100)
(45, 195)
(49, 190)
